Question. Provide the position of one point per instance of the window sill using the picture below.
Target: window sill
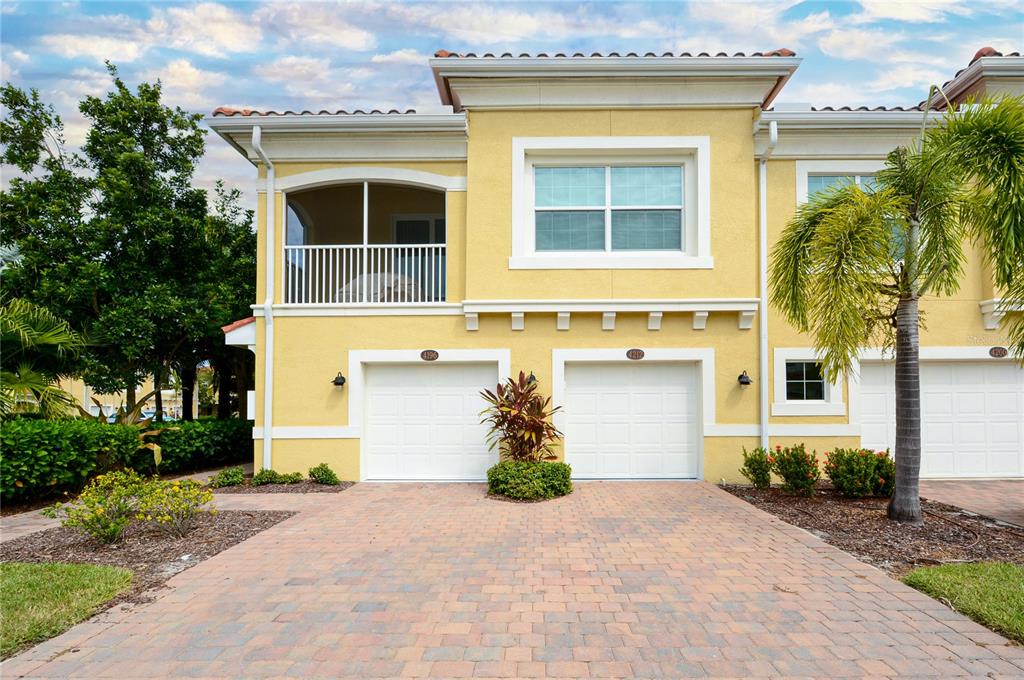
(605, 261)
(808, 408)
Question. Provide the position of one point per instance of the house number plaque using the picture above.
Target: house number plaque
(634, 354)
(998, 352)
(429, 355)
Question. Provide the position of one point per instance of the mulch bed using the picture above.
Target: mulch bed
(305, 486)
(861, 528)
(152, 555)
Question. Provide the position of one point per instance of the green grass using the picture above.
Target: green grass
(991, 593)
(39, 601)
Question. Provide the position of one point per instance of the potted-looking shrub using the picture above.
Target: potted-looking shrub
(522, 431)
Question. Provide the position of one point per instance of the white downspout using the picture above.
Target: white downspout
(268, 301)
(762, 308)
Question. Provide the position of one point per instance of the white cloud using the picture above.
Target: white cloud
(486, 25)
(404, 56)
(918, 11)
(314, 23)
(749, 27)
(907, 76)
(93, 46)
(208, 28)
(828, 94)
(187, 86)
(876, 45)
(310, 79)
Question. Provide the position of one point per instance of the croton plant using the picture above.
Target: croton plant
(520, 420)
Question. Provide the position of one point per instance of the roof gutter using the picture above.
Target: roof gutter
(762, 269)
(268, 301)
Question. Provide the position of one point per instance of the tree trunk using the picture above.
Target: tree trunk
(188, 390)
(224, 382)
(905, 504)
(158, 398)
(129, 397)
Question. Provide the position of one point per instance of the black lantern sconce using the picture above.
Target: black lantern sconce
(744, 379)
(339, 380)
(531, 379)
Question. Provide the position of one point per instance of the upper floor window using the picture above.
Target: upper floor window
(813, 177)
(609, 208)
(611, 203)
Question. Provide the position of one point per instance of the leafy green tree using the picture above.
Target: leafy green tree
(852, 266)
(116, 239)
(36, 350)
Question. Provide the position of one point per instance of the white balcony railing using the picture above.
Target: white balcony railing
(364, 274)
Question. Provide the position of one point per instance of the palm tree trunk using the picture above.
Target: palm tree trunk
(905, 504)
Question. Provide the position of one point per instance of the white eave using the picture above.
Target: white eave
(841, 120)
(347, 137)
(984, 67)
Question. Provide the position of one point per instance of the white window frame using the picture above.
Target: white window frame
(852, 168)
(692, 153)
(831, 405)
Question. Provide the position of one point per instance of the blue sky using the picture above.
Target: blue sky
(369, 54)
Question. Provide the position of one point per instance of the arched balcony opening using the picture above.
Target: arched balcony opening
(365, 243)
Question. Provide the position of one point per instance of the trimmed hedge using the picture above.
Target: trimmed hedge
(197, 444)
(524, 480)
(40, 458)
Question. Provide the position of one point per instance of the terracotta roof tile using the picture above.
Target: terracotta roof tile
(229, 111)
(867, 108)
(442, 54)
(238, 324)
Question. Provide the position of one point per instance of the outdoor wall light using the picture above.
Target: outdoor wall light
(339, 380)
(531, 379)
(744, 379)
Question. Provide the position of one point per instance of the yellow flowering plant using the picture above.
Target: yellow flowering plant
(105, 508)
(175, 506)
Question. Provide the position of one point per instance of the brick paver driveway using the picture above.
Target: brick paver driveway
(1002, 499)
(618, 579)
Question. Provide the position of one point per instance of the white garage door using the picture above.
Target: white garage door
(636, 420)
(422, 422)
(972, 416)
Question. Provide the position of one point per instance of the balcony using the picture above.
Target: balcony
(365, 244)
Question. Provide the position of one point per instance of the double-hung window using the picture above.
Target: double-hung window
(609, 208)
(611, 203)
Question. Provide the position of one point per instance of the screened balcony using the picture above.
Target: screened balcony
(365, 243)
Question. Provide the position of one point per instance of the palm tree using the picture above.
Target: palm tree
(36, 350)
(851, 267)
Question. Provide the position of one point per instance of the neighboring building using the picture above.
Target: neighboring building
(111, 402)
(602, 222)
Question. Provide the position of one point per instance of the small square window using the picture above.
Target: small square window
(804, 381)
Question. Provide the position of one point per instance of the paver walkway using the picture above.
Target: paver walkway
(1001, 499)
(618, 579)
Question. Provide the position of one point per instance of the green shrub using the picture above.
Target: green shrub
(757, 467)
(798, 469)
(322, 474)
(528, 480)
(269, 476)
(174, 506)
(40, 458)
(197, 444)
(860, 472)
(232, 476)
(106, 507)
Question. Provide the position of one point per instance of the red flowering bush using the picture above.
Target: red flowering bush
(861, 472)
(798, 469)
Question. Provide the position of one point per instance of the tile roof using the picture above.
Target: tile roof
(238, 324)
(577, 55)
(229, 111)
(867, 108)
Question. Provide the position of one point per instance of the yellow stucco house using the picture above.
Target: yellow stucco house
(602, 221)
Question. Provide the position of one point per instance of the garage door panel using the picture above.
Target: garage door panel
(631, 420)
(972, 420)
(422, 422)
